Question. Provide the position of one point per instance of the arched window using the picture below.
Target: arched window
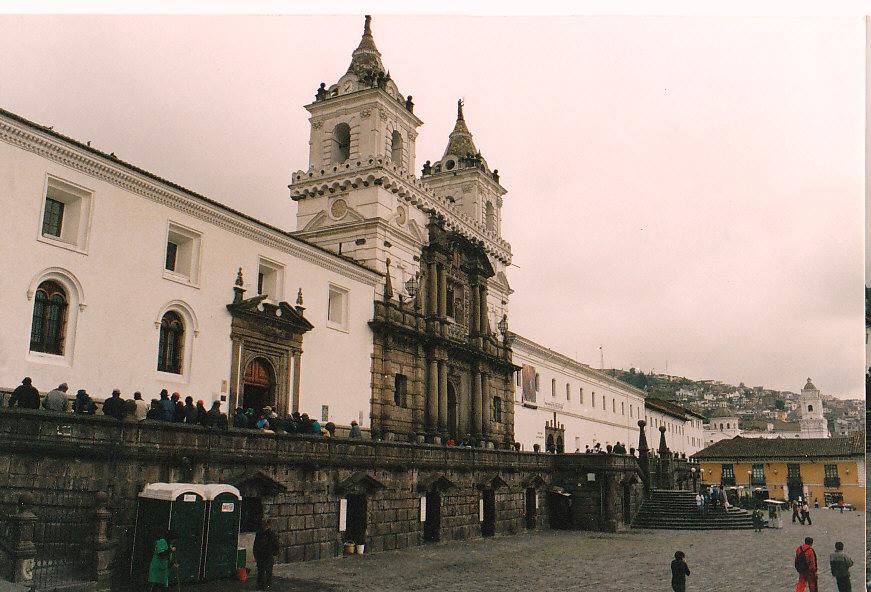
(171, 345)
(341, 143)
(490, 216)
(396, 147)
(728, 427)
(810, 407)
(48, 328)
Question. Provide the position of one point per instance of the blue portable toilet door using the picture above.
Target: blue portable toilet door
(187, 521)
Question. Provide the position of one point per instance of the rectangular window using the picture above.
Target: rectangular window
(171, 255)
(604, 403)
(728, 475)
(450, 301)
(793, 473)
(553, 387)
(593, 399)
(182, 256)
(536, 382)
(337, 308)
(52, 221)
(568, 392)
(497, 409)
(270, 279)
(757, 474)
(613, 406)
(622, 408)
(400, 389)
(65, 214)
(631, 410)
(830, 476)
(581, 395)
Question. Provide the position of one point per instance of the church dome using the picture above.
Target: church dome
(723, 412)
(809, 386)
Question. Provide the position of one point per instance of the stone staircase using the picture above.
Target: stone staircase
(676, 510)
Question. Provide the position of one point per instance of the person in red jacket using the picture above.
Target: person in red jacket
(806, 566)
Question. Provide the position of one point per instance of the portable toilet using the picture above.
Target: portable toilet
(224, 507)
(179, 507)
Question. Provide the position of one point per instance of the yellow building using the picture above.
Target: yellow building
(824, 469)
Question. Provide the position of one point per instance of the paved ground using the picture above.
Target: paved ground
(725, 561)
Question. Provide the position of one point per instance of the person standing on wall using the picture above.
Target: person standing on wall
(265, 551)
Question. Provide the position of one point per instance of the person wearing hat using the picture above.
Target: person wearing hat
(25, 396)
(114, 406)
(142, 406)
(56, 400)
(355, 430)
(83, 405)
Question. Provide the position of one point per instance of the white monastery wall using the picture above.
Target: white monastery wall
(119, 288)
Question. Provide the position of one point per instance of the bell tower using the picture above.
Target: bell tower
(464, 180)
(352, 199)
(811, 419)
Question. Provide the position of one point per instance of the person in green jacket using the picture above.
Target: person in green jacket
(161, 561)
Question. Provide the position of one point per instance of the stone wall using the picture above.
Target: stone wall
(300, 480)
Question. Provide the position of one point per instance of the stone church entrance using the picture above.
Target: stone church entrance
(258, 390)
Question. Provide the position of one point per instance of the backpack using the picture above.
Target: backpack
(801, 565)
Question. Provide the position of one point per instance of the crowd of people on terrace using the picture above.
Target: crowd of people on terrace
(170, 408)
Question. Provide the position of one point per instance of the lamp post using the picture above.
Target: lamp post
(411, 289)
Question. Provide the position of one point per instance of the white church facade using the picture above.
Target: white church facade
(388, 306)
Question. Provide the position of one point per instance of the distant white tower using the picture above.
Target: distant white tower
(813, 423)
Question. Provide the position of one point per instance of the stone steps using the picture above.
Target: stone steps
(676, 510)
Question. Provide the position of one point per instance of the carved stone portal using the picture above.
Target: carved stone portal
(267, 353)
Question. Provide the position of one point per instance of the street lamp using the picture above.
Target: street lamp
(503, 325)
(411, 286)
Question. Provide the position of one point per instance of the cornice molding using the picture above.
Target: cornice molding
(116, 174)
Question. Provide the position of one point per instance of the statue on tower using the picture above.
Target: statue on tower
(322, 92)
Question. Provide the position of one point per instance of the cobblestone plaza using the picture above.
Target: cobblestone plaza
(726, 561)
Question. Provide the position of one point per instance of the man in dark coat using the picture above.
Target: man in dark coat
(214, 417)
(265, 551)
(201, 412)
(25, 396)
(114, 406)
(178, 417)
(190, 412)
(240, 420)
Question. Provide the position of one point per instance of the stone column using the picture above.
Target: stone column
(643, 458)
(432, 397)
(432, 290)
(297, 373)
(476, 311)
(101, 549)
(443, 398)
(482, 307)
(462, 411)
(476, 404)
(486, 403)
(443, 292)
(23, 551)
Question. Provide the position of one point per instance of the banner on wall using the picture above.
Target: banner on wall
(527, 383)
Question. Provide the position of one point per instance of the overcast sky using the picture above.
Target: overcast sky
(682, 191)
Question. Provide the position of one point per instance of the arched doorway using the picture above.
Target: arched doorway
(452, 411)
(258, 385)
(488, 518)
(531, 508)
